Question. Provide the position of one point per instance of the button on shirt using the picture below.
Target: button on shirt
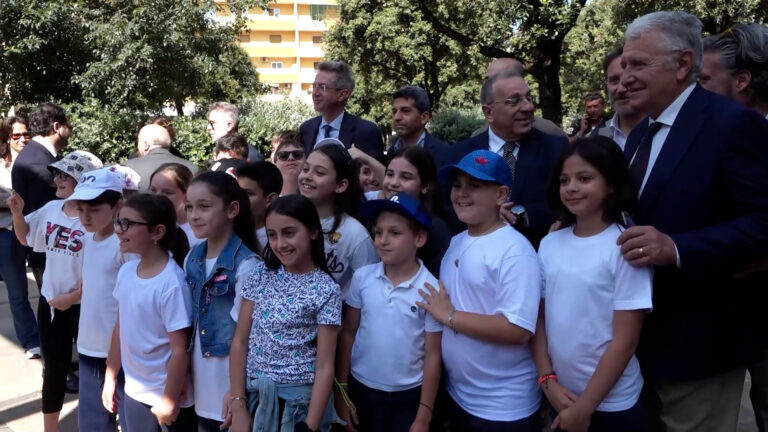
(389, 348)
(496, 144)
(335, 128)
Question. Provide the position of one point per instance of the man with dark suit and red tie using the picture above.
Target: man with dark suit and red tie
(700, 162)
(334, 83)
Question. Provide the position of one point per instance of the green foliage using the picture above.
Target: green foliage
(455, 124)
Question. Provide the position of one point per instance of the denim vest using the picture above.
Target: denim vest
(214, 295)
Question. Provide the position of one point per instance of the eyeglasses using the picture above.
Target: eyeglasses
(516, 100)
(283, 155)
(125, 224)
(19, 135)
(321, 87)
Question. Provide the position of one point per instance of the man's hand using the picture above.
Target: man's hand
(507, 214)
(645, 245)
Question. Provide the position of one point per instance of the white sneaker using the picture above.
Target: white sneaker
(32, 353)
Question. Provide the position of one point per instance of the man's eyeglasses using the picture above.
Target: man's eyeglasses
(516, 100)
(321, 87)
(19, 135)
(283, 155)
(125, 224)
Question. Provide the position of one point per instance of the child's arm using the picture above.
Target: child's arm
(176, 379)
(488, 328)
(558, 396)
(109, 394)
(321, 389)
(343, 364)
(241, 418)
(65, 301)
(433, 360)
(626, 333)
(20, 226)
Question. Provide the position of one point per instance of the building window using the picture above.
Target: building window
(318, 12)
(317, 39)
(277, 65)
(275, 12)
(275, 38)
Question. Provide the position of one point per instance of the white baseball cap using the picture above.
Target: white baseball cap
(94, 183)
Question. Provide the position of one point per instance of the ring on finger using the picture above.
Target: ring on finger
(641, 252)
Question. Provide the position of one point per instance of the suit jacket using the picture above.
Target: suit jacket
(147, 164)
(31, 178)
(436, 147)
(364, 134)
(536, 157)
(708, 190)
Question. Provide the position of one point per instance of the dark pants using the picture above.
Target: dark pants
(207, 425)
(463, 421)
(381, 411)
(629, 420)
(91, 415)
(758, 394)
(14, 272)
(56, 345)
(139, 418)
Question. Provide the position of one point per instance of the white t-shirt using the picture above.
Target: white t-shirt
(261, 236)
(347, 249)
(372, 195)
(98, 308)
(586, 279)
(494, 274)
(388, 353)
(61, 238)
(149, 310)
(191, 239)
(210, 375)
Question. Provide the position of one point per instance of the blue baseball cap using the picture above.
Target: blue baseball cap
(483, 165)
(402, 204)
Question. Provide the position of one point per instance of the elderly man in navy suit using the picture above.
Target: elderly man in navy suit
(530, 153)
(701, 164)
(334, 83)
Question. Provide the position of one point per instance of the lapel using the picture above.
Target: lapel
(347, 129)
(633, 140)
(526, 161)
(679, 139)
(314, 127)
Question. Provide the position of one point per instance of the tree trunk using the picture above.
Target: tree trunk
(546, 70)
(179, 104)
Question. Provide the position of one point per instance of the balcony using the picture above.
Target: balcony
(260, 49)
(310, 50)
(278, 76)
(265, 22)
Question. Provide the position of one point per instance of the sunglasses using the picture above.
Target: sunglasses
(19, 135)
(125, 224)
(285, 154)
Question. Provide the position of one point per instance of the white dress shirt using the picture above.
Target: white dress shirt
(496, 144)
(335, 128)
(617, 135)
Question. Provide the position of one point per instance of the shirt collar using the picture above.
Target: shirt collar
(335, 123)
(48, 146)
(398, 144)
(407, 284)
(669, 115)
(495, 143)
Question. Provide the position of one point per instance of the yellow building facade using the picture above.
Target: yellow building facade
(285, 42)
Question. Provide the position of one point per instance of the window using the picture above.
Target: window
(277, 65)
(318, 12)
(275, 12)
(317, 39)
(275, 38)
(245, 37)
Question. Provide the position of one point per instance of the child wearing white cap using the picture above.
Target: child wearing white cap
(56, 230)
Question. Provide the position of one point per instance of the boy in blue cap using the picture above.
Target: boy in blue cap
(489, 302)
(389, 349)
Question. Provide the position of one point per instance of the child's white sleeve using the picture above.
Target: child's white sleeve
(363, 254)
(354, 295)
(633, 286)
(519, 290)
(432, 325)
(244, 270)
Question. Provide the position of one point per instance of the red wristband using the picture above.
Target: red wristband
(547, 377)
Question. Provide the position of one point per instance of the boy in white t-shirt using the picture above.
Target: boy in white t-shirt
(389, 349)
(489, 304)
(98, 197)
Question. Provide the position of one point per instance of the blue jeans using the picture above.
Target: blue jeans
(91, 414)
(13, 271)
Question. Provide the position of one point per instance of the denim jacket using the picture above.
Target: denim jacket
(213, 295)
(263, 404)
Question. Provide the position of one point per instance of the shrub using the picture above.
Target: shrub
(455, 124)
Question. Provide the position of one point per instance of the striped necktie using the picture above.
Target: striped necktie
(509, 155)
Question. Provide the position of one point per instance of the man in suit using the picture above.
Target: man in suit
(223, 119)
(153, 146)
(701, 164)
(333, 85)
(530, 153)
(411, 111)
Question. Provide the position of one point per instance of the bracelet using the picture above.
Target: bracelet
(344, 396)
(237, 398)
(427, 407)
(451, 323)
(546, 377)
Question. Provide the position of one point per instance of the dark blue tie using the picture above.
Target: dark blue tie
(327, 131)
(639, 164)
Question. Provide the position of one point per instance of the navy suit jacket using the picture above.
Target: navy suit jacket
(365, 135)
(536, 158)
(708, 190)
(436, 147)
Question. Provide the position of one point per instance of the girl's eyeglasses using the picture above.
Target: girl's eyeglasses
(125, 224)
(283, 155)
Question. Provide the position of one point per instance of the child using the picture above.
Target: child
(285, 339)
(595, 300)
(172, 180)
(367, 178)
(489, 304)
(216, 270)
(98, 198)
(262, 182)
(289, 157)
(328, 180)
(390, 349)
(154, 309)
(56, 230)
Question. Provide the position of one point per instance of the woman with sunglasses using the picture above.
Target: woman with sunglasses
(289, 157)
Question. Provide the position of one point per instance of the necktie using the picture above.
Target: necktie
(509, 155)
(639, 164)
(327, 131)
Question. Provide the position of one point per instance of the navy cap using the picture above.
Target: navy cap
(402, 204)
(483, 165)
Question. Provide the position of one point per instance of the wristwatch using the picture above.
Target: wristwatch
(522, 216)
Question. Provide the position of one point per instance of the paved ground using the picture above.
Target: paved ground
(20, 383)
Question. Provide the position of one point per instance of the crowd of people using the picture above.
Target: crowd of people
(611, 278)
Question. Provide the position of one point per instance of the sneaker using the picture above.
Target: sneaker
(32, 353)
(73, 383)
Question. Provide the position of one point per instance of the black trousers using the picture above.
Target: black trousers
(56, 346)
